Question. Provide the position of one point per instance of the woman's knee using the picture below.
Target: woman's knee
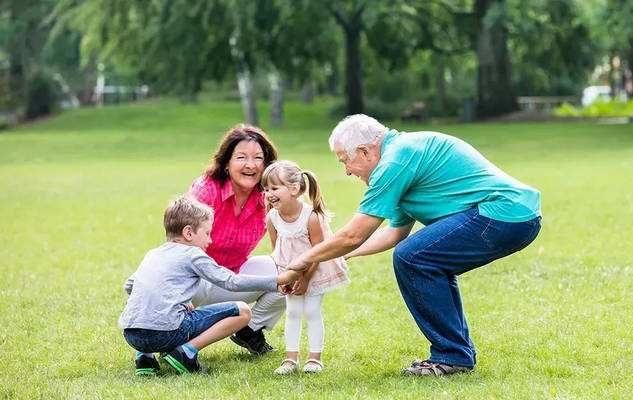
(259, 265)
(244, 309)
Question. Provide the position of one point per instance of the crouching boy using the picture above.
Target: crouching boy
(159, 316)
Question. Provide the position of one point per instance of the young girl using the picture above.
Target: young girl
(294, 227)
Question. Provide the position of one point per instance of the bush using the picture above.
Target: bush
(597, 109)
(566, 110)
(42, 95)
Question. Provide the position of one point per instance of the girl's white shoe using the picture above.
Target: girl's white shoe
(287, 366)
(313, 366)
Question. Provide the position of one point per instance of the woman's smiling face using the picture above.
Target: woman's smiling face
(246, 165)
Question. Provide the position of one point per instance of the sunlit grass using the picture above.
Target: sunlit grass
(81, 200)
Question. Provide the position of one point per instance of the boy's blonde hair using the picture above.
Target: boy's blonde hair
(183, 211)
(287, 173)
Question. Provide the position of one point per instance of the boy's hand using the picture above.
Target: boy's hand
(287, 277)
(285, 280)
(189, 306)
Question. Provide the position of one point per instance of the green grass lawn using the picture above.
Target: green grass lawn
(81, 201)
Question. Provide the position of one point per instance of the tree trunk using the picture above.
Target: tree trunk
(440, 82)
(247, 96)
(353, 70)
(276, 98)
(612, 77)
(17, 56)
(99, 86)
(629, 76)
(494, 86)
(307, 91)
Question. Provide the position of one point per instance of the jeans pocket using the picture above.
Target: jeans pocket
(486, 232)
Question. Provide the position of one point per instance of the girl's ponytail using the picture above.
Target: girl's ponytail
(318, 205)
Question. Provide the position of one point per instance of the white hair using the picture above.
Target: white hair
(356, 130)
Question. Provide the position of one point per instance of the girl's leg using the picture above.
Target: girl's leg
(316, 329)
(294, 311)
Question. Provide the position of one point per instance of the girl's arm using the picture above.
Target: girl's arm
(272, 232)
(315, 233)
(381, 240)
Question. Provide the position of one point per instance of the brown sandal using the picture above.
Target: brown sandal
(429, 368)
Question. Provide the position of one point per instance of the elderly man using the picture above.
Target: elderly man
(473, 213)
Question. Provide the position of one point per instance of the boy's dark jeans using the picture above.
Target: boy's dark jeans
(195, 322)
(427, 263)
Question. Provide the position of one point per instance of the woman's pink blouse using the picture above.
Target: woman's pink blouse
(233, 237)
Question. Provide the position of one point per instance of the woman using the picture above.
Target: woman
(230, 184)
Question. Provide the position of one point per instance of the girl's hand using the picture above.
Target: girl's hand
(300, 287)
(284, 289)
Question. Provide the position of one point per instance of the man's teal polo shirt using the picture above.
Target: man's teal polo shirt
(422, 176)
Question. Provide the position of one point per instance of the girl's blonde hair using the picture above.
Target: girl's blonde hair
(289, 173)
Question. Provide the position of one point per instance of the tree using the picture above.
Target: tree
(172, 44)
(617, 31)
(349, 16)
(495, 94)
(295, 37)
(551, 47)
(24, 22)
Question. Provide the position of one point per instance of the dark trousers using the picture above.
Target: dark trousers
(428, 262)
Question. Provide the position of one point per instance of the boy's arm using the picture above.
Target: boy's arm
(205, 267)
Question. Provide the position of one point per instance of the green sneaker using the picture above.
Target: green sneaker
(146, 366)
(179, 361)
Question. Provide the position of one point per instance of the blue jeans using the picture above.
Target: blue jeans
(427, 263)
(194, 323)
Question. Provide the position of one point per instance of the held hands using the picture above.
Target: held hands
(300, 286)
(293, 282)
(286, 279)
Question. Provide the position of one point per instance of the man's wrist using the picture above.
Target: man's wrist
(299, 264)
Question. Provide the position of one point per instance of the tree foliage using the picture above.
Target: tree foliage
(440, 51)
(551, 48)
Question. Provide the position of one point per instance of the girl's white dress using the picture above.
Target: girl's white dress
(293, 240)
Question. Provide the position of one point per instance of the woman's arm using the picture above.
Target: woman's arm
(381, 240)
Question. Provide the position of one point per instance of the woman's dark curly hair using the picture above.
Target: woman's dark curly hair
(220, 160)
